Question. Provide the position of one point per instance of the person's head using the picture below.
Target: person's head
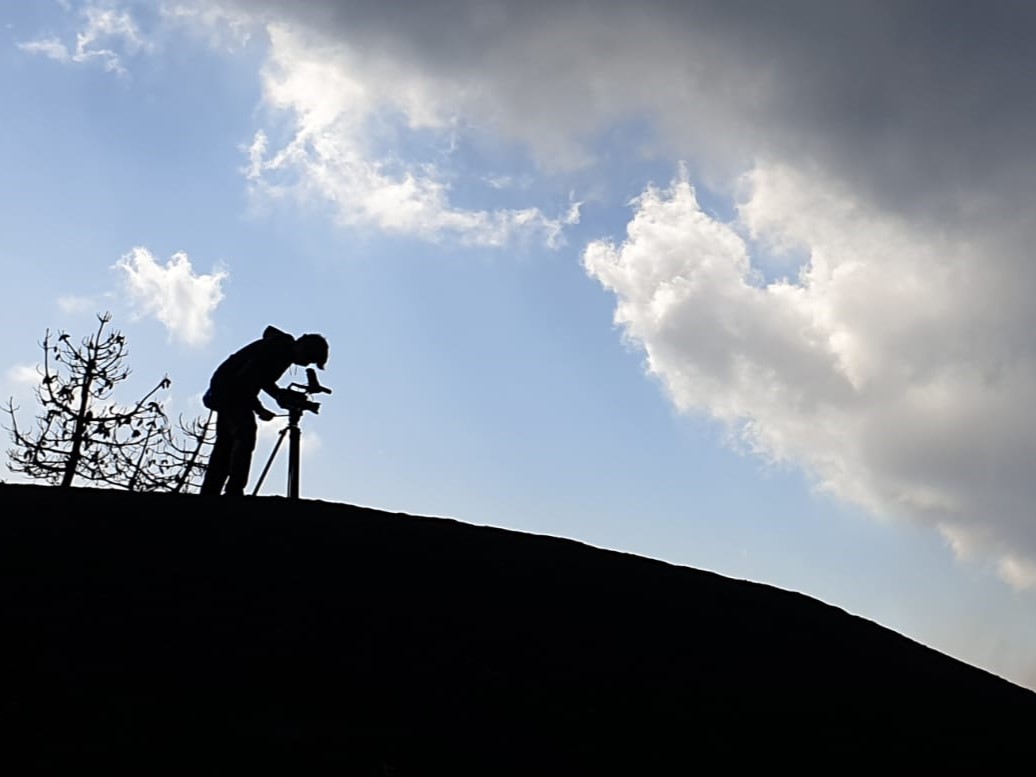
(311, 349)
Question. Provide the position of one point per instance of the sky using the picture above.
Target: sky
(737, 285)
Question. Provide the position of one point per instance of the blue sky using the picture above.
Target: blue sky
(634, 289)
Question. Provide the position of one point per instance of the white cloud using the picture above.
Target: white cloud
(221, 28)
(500, 181)
(104, 29)
(342, 108)
(73, 304)
(310, 445)
(883, 369)
(173, 293)
(1019, 572)
(22, 375)
(18, 385)
(269, 431)
(48, 47)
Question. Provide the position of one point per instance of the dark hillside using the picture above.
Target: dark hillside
(155, 631)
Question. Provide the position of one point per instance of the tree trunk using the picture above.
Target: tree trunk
(80, 428)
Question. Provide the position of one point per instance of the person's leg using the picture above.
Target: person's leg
(241, 453)
(219, 459)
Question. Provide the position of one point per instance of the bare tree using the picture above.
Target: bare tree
(179, 463)
(82, 432)
(191, 454)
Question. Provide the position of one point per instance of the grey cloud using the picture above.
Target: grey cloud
(925, 105)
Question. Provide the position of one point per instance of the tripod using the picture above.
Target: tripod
(295, 439)
(298, 403)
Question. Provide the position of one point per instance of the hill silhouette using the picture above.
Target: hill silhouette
(161, 632)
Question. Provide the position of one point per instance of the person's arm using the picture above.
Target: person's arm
(264, 414)
(267, 415)
(273, 390)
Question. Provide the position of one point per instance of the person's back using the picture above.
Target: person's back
(242, 375)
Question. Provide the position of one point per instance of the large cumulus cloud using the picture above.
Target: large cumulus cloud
(881, 368)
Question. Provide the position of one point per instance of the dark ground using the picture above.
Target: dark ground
(157, 633)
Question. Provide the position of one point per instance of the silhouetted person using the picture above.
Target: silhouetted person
(234, 395)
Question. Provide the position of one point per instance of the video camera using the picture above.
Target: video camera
(296, 398)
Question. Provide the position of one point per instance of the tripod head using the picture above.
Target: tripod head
(296, 398)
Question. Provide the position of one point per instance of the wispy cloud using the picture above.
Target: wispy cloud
(48, 47)
(106, 34)
(221, 27)
(22, 375)
(339, 105)
(74, 304)
(18, 385)
(267, 434)
(173, 293)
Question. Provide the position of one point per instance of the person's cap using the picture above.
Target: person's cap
(316, 348)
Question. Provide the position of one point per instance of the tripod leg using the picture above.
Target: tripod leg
(269, 461)
(293, 462)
